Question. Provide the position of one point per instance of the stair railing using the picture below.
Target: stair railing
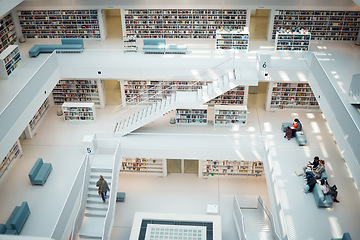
(261, 206)
(161, 91)
(82, 203)
(110, 213)
(239, 219)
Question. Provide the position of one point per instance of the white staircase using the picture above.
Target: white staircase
(143, 113)
(255, 226)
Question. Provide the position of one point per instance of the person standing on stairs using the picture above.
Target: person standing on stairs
(103, 187)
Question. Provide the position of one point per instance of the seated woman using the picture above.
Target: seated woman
(318, 171)
(297, 126)
(313, 165)
(327, 190)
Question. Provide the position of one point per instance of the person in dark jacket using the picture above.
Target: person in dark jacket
(102, 187)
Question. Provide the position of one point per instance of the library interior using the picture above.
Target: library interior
(204, 118)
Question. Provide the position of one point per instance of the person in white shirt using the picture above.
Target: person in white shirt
(327, 190)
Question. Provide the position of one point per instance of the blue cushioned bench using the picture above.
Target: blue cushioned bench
(159, 46)
(16, 220)
(321, 199)
(120, 197)
(69, 44)
(40, 172)
(299, 135)
(346, 236)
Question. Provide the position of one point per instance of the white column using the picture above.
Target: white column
(357, 42)
(18, 29)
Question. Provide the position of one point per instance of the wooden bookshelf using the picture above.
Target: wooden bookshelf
(230, 115)
(323, 25)
(195, 116)
(79, 112)
(232, 168)
(7, 32)
(181, 23)
(9, 61)
(60, 23)
(143, 165)
(14, 153)
(298, 95)
(79, 90)
(292, 41)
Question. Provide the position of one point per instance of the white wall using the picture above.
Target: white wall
(254, 4)
(7, 5)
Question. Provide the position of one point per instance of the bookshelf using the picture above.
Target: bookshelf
(230, 115)
(181, 23)
(9, 61)
(292, 41)
(232, 168)
(14, 153)
(323, 25)
(235, 96)
(79, 90)
(134, 91)
(196, 116)
(79, 112)
(7, 32)
(60, 23)
(31, 128)
(144, 165)
(130, 44)
(234, 39)
(298, 95)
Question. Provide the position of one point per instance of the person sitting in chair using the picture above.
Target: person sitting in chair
(297, 126)
(327, 190)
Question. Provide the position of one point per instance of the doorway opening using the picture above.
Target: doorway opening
(257, 95)
(113, 23)
(112, 92)
(259, 21)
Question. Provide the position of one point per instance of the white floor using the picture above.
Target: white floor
(61, 144)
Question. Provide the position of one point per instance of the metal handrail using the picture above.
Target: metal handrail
(147, 101)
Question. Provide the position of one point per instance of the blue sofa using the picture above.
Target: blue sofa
(16, 220)
(346, 236)
(159, 46)
(299, 135)
(40, 172)
(321, 199)
(66, 44)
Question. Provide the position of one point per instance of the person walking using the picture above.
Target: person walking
(102, 187)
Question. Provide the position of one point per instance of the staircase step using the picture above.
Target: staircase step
(259, 235)
(97, 206)
(95, 213)
(254, 221)
(94, 193)
(92, 227)
(96, 175)
(92, 199)
(93, 182)
(101, 170)
(89, 238)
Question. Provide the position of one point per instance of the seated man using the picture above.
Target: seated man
(327, 190)
(313, 165)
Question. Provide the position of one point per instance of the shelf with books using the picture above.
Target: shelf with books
(60, 23)
(143, 165)
(80, 112)
(130, 44)
(292, 41)
(79, 90)
(181, 23)
(31, 128)
(236, 96)
(7, 32)
(230, 115)
(234, 39)
(9, 61)
(323, 25)
(134, 91)
(14, 153)
(195, 116)
(232, 168)
(294, 95)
